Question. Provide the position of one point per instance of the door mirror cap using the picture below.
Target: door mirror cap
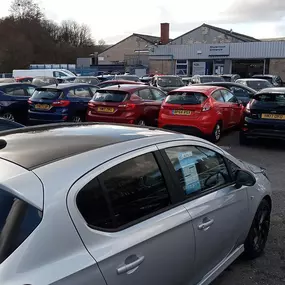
(244, 178)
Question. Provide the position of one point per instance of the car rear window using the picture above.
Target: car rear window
(110, 96)
(270, 79)
(258, 84)
(186, 98)
(18, 220)
(205, 79)
(272, 98)
(49, 94)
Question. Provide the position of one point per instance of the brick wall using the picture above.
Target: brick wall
(277, 67)
(161, 66)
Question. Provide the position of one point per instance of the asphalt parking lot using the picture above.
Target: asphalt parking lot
(270, 268)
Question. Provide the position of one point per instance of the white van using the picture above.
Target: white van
(57, 73)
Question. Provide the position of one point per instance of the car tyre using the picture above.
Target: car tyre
(217, 132)
(76, 119)
(8, 116)
(141, 122)
(257, 237)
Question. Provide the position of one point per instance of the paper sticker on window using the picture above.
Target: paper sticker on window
(188, 167)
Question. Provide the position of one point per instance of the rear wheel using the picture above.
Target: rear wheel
(258, 233)
(9, 117)
(217, 132)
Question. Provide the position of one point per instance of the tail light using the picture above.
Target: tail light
(61, 103)
(207, 106)
(128, 106)
(30, 101)
(91, 105)
(247, 109)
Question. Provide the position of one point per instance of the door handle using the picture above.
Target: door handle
(205, 225)
(127, 267)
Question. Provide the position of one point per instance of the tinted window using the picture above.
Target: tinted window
(205, 79)
(145, 94)
(30, 90)
(186, 98)
(198, 168)
(81, 92)
(132, 190)
(49, 94)
(228, 96)
(217, 95)
(259, 84)
(17, 221)
(15, 91)
(158, 95)
(273, 98)
(110, 96)
(170, 81)
(240, 92)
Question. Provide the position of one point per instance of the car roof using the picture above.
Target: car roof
(11, 83)
(122, 81)
(62, 86)
(251, 79)
(125, 87)
(208, 75)
(206, 89)
(278, 90)
(264, 75)
(228, 84)
(32, 147)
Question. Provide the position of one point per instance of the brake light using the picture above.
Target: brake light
(30, 101)
(128, 106)
(61, 103)
(247, 109)
(206, 107)
(91, 104)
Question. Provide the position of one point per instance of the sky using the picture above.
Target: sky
(113, 20)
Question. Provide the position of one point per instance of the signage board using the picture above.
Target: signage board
(199, 68)
(221, 49)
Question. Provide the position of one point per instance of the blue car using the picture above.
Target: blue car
(14, 101)
(66, 102)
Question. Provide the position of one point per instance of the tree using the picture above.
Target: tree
(26, 9)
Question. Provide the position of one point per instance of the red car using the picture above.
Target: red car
(109, 83)
(201, 110)
(26, 79)
(127, 104)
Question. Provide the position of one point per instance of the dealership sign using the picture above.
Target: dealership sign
(216, 50)
(199, 68)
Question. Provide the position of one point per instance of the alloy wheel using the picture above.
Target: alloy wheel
(9, 117)
(217, 132)
(141, 123)
(76, 119)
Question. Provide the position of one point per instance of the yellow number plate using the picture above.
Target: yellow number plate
(106, 110)
(181, 112)
(273, 116)
(42, 106)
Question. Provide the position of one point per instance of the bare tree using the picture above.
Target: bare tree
(26, 9)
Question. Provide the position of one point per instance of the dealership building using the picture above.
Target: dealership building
(211, 50)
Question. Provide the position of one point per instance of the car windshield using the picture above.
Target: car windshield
(110, 96)
(169, 81)
(205, 79)
(258, 84)
(271, 98)
(186, 98)
(127, 77)
(49, 94)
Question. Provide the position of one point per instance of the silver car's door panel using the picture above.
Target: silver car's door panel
(159, 250)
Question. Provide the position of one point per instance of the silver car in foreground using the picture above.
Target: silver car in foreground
(108, 204)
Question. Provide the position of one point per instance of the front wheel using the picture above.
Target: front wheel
(9, 117)
(217, 132)
(76, 119)
(258, 233)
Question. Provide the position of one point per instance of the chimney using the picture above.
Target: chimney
(164, 33)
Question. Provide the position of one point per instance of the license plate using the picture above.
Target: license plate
(106, 110)
(273, 116)
(181, 112)
(43, 106)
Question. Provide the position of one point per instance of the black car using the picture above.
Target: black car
(275, 80)
(6, 125)
(242, 92)
(198, 79)
(265, 115)
(230, 77)
(14, 101)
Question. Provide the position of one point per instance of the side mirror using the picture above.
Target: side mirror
(244, 178)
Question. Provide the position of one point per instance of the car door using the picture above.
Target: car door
(218, 210)
(236, 109)
(151, 106)
(18, 104)
(125, 213)
(222, 107)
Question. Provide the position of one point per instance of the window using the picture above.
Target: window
(228, 96)
(232, 167)
(217, 95)
(186, 98)
(130, 191)
(18, 220)
(145, 94)
(182, 67)
(198, 169)
(82, 92)
(93, 90)
(59, 74)
(115, 96)
(158, 95)
(240, 92)
(47, 94)
(205, 79)
(15, 91)
(30, 90)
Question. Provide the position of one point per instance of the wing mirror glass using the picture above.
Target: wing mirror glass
(244, 178)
